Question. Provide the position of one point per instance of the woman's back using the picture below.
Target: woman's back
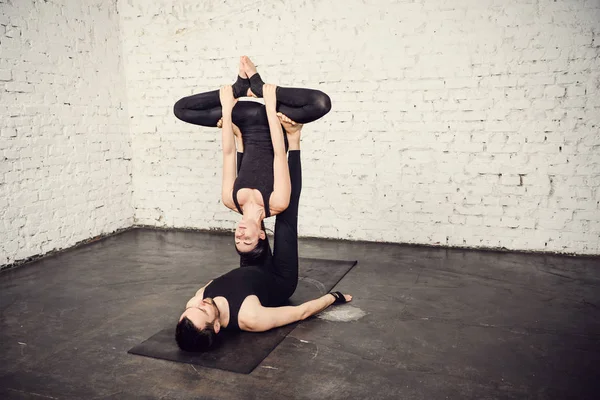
(256, 171)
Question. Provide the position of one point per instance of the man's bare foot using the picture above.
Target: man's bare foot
(249, 66)
(242, 71)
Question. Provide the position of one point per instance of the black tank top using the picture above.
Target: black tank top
(238, 284)
(256, 171)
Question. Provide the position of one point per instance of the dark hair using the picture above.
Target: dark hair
(255, 256)
(190, 338)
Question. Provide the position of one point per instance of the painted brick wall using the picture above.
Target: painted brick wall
(65, 148)
(462, 123)
(467, 123)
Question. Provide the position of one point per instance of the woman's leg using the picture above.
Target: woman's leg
(200, 109)
(205, 108)
(302, 105)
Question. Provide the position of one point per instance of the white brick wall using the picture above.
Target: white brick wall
(468, 123)
(463, 123)
(65, 149)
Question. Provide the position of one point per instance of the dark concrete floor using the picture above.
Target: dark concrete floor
(439, 324)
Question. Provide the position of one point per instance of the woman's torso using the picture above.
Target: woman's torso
(256, 171)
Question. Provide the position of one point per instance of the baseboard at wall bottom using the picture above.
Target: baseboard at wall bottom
(53, 252)
(183, 229)
(466, 248)
(221, 231)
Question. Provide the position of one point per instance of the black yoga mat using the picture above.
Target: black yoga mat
(242, 351)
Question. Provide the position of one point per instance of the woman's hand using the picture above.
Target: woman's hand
(270, 96)
(227, 99)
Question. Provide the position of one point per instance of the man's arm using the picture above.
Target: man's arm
(266, 318)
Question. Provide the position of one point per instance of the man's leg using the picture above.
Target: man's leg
(285, 254)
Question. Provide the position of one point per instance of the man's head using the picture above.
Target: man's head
(198, 325)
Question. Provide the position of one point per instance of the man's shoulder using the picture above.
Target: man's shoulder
(249, 312)
(200, 291)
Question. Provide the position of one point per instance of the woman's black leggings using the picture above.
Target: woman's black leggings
(300, 105)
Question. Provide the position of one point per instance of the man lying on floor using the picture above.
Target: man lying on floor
(250, 298)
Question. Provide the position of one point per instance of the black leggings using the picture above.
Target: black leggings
(285, 253)
(300, 105)
(283, 261)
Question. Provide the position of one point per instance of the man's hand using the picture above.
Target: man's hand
(227, 99)
(291, 127)
(270, 96)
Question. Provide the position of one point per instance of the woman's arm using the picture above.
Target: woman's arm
(228, 145)
(280, 198)
(239, 143)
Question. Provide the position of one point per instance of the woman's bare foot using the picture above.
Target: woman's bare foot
(256, 82)
(249, 66)
(242, 71)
